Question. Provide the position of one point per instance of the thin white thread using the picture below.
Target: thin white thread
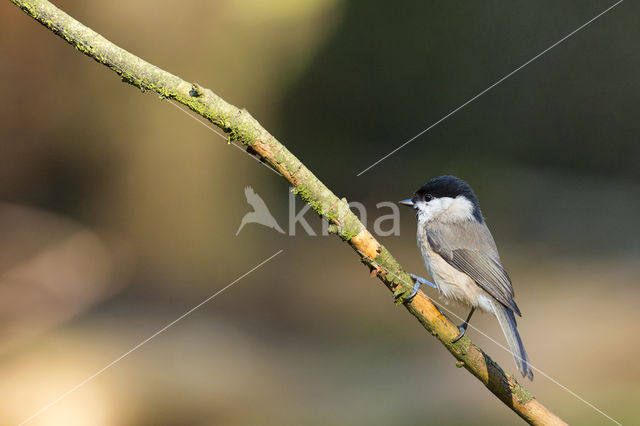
(514, 355)
(488, 88)
(88, 379)
(214, 130)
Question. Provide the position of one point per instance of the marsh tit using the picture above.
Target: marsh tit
(462, 258)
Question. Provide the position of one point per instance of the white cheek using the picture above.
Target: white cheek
(460, 208)
(446, 208)
(433, 207)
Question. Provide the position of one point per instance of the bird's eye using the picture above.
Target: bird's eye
(428, 197)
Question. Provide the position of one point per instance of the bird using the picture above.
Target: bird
(462, 258)
(260, 213)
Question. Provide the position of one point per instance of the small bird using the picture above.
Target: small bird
(260, 213)
(462, 258)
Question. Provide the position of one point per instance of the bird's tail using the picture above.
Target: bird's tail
(508, 324)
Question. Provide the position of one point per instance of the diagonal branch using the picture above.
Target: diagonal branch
(243, 128)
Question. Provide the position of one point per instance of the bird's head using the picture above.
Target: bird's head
(446, 197)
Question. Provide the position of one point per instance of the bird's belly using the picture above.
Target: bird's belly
(455, 285)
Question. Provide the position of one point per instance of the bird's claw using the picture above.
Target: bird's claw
(418, 281)
(463, 327)
(462, 330)
(421, 281)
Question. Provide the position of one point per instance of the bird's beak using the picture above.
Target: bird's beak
(406, 202)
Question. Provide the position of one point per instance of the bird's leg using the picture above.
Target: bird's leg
(463, 327)
(418, 281)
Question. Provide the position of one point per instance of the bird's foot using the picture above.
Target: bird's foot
(463, 330)
(463, 327)
(421, 281)
(417, 282)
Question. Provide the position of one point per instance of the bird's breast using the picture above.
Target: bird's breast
(453, 284)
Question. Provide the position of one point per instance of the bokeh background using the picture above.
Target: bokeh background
(118, 212)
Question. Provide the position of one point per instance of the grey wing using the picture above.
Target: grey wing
(469, 247)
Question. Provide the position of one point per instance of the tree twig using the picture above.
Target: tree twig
(240, 126)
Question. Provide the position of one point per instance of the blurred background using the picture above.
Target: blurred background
(118, 212)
